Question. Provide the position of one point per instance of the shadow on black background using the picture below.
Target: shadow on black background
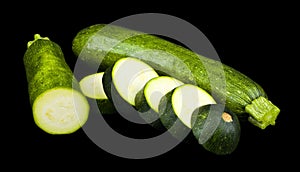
(250, 40)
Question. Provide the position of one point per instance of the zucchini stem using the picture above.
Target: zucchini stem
(36, 37)
(262, 112)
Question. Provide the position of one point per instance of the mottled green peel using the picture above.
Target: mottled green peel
(58, 105)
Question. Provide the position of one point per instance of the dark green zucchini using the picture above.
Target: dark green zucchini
(105, 44)
(216, 129)
(58, 105)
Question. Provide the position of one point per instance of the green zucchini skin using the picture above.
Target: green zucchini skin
(35, 56)
(58, 106)
(221, 137)
(108, 43)
(46, 68)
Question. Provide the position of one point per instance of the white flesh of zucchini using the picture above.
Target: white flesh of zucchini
(60, 110)
(92, 87)
(129, 76)
(186, 98)
(156, 88)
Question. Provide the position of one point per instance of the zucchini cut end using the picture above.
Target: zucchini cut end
(262, 112)
(60, 111)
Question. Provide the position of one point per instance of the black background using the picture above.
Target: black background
(252, 38)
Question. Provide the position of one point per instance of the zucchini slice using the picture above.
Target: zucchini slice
(186, 99)
(177, 106)
(122, 81)
(147, 100)
(92, 87)
(156, 88)
(129, 76)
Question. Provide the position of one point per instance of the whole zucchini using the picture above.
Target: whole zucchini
(103, 44)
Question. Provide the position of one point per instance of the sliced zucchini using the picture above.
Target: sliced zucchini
(156, 88)
(243, 96)
(177, 106)
(122, 81)
(92, 87)
(186, 99)
(147, 100)
(129, 76)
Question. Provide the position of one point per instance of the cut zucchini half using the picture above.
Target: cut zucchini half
(60, 110)
(92, 87)
(129, 76)
(156, 88)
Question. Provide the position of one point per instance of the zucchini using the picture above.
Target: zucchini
(123, 80)
(58, 105)
(128, 76)
(105, 44)
(147, 100)
(177, 106)
(92, 87)
(216, 129)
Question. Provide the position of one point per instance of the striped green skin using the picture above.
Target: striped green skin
(46, 68)
(221, 139)
(104, 44)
